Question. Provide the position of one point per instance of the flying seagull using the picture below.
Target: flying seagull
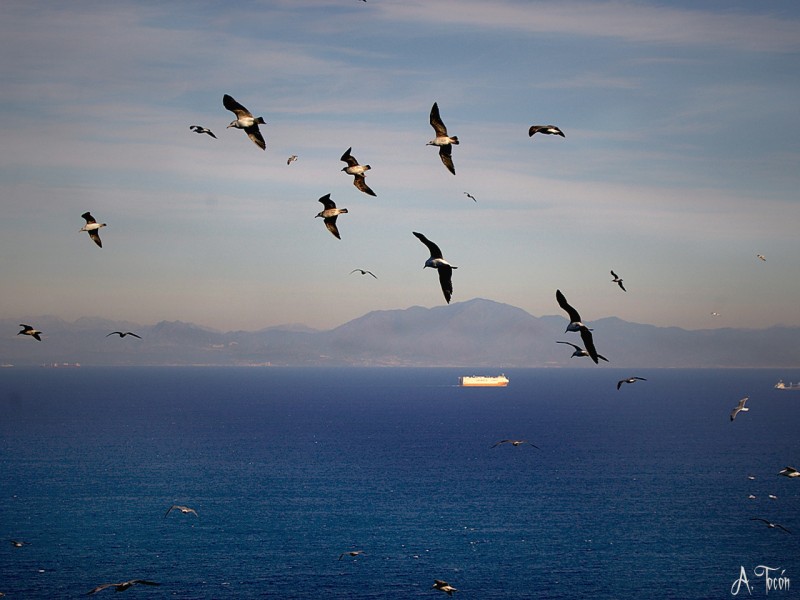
(122, 334)
(199, 129)
(443, 586)
(330, 213)
(351, 553)
(739, 408)
(575, 324)
(629, 380)
(581, 352)
(121, 587)
(92, 228)
(444, 141)
(437, 261)
(19, 544)
(617, 280)
(762, 257)
(470, 196)
(28, 330)
(770, 524)
(547, 129)
(183, 509)
(789, 472)
(291, 159)
(245, 120)
(363, 272)
(357, 171)
(515, 443)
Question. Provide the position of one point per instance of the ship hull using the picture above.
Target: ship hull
(501, 381)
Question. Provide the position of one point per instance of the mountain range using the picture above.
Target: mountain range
(476, 333)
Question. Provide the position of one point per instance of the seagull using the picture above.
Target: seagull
(762, 257)
(772, 497)
(617, 280)
(351, 553)
(443, 586)
(739, 408)
(198, 129)
(184, 510)
(444, 141)
(470, 196)
(291, 159)
(629, 380)
(515, 443)
(547, 129)
(581, 352)
(330, 213)
(19, 544)
(245, 120)
(28, 330)
(789, 472)
(122, 334)
(436, 261)
(357, 170)
(363, 272)
(770, 524)
(575, 324)
(121, 587)
(92, 228)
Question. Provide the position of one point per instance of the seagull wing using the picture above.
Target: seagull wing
(622, 286)
(433, 248)
(96, 237)
(100, 588)
(534, 129)
(436, 121)
(254, 133)
(330, 223)
(134, 335)
(327, 202)
(578, 348)
(586, 336)
(446, 154)
(573, 314)
(360, 182)
(446, 280)
(236, 108)
(349, 159)
(89, 218)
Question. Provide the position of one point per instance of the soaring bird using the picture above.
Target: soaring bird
(443, 586)
(617, 280)
(770, 524)
(19, 544)
(575, 324)
(547, 129)
(121, 587)
(330, 213)
(28, 330)
(790, 472)
(357, 171)
(515, 443)
(245, 120)
(629, 380)
(363, 272)
(470, 196)
(761, 257)
(291, 159)
(437, 261)
(92, 228)
(122, 334)
(183, 509)
(444, 141)
(351, 553)
(581, 352)
(199, 129)
(739, 408)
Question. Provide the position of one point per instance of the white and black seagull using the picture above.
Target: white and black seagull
(245, 120)
(182, 509)
(790, 472)
(330, 213)
(28, 330)
(199, 129)
(579, 352)
(515, 443)
(92, 227)
(443, 586)
(444, 141)
(739, 408)
(357, 171)
(629, 380)
(547, 129)
(121, 587)
(617, 280)
(575, 324)
(770, 524)
(437, 261)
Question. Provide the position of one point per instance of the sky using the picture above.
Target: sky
(680, 161)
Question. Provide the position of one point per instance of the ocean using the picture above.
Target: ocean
(641, 492)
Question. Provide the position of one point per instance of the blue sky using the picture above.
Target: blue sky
(679, 166)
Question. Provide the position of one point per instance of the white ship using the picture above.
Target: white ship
(787, 386)
(482, 381)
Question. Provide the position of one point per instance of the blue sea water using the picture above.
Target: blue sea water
(640, 492)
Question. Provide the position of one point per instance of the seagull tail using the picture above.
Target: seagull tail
(261, 121)
(344, 210)
(454, 140)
